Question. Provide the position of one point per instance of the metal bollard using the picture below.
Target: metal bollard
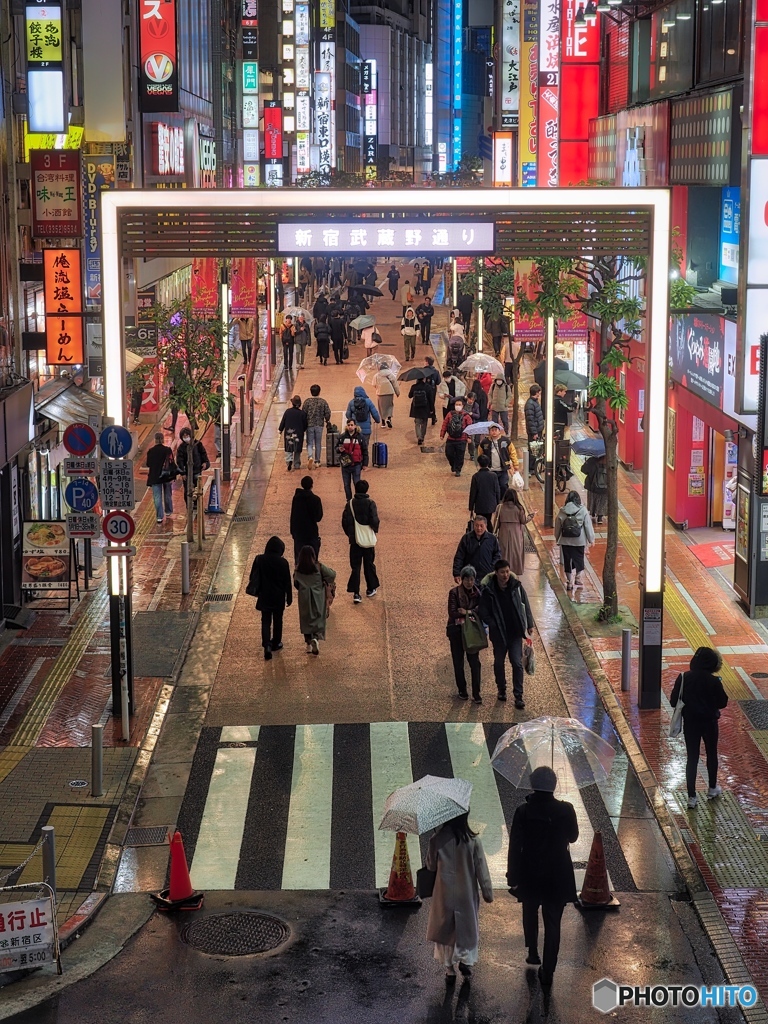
(48, 835)
(185, 567)
(250, 415)
(264, 376)
(626, 659)
(238, 444)
(242, 409)
(97, 760)
(526, 468)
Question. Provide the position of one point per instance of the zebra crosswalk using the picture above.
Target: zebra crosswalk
(298, 807)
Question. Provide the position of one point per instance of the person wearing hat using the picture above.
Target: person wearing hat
(540, 869)
(501, 454)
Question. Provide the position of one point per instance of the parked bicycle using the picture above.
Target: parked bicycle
(562, 468)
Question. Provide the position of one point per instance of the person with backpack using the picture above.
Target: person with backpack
(454, 351)
(353, 454)
(361, 511)
(408, 331)
(323, 338)
(573, 532)
(454, 425)
(270, 584)
(362, 410)
(338, 335)
(318, 414)
(406, 297)
(501, 455)
(596, 486)
(420, 400)
(293, 427)
(433, 380)
(393, 279)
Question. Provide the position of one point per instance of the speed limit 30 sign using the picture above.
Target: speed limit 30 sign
(118, 527)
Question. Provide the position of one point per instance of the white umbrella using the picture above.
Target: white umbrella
(425, 804)
(481, 363)
(480, 428)
(294, 311)
(564, 744)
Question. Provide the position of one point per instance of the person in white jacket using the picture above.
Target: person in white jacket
(387, 388)
(574, 533)
(448, 390)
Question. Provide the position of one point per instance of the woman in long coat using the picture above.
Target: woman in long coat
(311, 579)
(457, 855)
(509, 526)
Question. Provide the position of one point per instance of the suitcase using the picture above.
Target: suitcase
(380, 455)
(331, 454)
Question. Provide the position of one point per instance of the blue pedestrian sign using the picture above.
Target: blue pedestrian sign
(116, 442)
(81, 495)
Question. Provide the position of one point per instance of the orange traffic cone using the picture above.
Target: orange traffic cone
(179, 895)
(401, 889)
(595, 894)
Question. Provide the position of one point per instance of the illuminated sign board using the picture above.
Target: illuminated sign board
(56, 194)
(466, 237)
(510, 65)
(158, 57)
(63, 296)
(168, 151)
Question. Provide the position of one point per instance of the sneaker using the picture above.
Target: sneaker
(578, 583)
(310, 463)
(463, 696)
(159, 520)
(267, 653)
(372, 593)
(314, 646)
(277, 647)
(569, 581)
(501, 696)
(519, 703)
(713, 792)
(692, 802)
(533, 956)
(357, 599)
(477, 700)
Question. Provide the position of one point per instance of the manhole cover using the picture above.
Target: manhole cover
(78, 784)
(154, 835)
(236, 934)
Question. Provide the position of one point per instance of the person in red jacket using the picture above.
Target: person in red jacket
(353, 455)
(454, 425)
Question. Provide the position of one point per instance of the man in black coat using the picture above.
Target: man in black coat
(293, 427)
(306, 513)
(504, 608)
(465, 306)
(534, 414)
(160, 458)
(477, 548)
(484, 493)
(270, 584)
(539, 868)
(361, 509)
(540, 376)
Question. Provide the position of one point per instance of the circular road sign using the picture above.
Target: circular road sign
(79, 439)
(81, 495)
(118, 527)
(116, 442)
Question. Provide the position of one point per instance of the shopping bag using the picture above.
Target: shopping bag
(517, 481)
(473, 635)
(529, 659)
(676, 725)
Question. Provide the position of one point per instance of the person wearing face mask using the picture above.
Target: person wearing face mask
(505, 609)
(453, 430)
(461, 599)
(194, 456)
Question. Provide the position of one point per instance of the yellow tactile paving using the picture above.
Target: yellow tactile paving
(78, 830)
(9, 758)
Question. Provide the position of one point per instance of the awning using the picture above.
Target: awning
(62, 400)
(132, 360)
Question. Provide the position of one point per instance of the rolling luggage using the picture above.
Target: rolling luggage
(331, 454)
(380, 455)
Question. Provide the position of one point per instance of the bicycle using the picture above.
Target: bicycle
(539, 464)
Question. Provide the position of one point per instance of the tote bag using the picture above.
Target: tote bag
(365, 536)
(676, 725)
(473, 635)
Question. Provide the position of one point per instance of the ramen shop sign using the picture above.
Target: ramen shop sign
(168, 151)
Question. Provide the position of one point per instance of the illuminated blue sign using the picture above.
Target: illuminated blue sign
(457, 67)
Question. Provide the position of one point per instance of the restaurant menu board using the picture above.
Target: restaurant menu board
(45, 561)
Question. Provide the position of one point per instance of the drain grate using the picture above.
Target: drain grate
(239, 933)
(528, 546)
(78, 784)
(244, 519)
(155, 835)
(219, 597)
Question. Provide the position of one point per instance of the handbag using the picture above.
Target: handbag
(473, 635)
(377, 338)
(170, 470)
(529, 659)
(676, 725)
(425, 882)
(517, 481)
(365, 536)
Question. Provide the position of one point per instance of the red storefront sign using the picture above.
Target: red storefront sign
(579, 91)
(273, 131)
(205, 286)
(158, 57)
(63, 295)
(57, 205)
(243, 286)
(549, 88)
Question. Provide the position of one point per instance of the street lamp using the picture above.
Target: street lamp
(549, 427)
(226, 460)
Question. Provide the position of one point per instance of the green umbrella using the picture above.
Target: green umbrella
(572, 381)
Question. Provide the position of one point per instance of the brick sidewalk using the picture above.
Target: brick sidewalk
(55, 683)
(725, 837)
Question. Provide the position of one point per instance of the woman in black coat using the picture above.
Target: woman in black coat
(323, 338)
(703, 697)
(293, 427)
(540, 869)
(270, 584)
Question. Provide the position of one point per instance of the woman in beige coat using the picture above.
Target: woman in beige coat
(457, 855)
(509, 526)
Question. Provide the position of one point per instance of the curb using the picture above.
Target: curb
(704, 904)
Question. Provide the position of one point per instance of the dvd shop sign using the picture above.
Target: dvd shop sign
(168, 150)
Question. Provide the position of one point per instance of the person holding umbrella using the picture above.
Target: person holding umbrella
(596, 486)
(386, 387)
(456, 854)
(540, 869)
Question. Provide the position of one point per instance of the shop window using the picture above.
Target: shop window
(720, 41)
(672, 48)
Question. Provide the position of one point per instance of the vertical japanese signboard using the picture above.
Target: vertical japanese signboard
(370, 114)
(273, 144)
(63, 296)
(250, 123)
(98, 176)
(57, 209)
(323, 121)
(502, 158)
(46, 103)
(510, 64)
(549, 94)
(250, 23)
(579, 91)
(158, 57)
(529, 94)
(457, 51)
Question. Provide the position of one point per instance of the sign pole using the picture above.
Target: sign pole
(226, 452)
(549, 431)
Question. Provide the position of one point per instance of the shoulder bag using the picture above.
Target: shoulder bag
(170, 470)
(676, 725)
(425, 882)
(473, 635)
(365, 536)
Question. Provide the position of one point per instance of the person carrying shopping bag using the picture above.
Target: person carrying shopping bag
(703, 696)
(463, 602)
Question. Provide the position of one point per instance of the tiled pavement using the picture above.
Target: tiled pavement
(725, 838)
(55, 684)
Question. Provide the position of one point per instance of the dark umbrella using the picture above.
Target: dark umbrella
(589, 446)
(365, 289)
(572, 381)
(414, 373)
(361, 266)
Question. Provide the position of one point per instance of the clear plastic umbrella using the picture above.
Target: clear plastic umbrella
(481, 363)
(573, 751)
(294, 311)
(372, 365)
(425, 804)
(362, 321)
(480, 428)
